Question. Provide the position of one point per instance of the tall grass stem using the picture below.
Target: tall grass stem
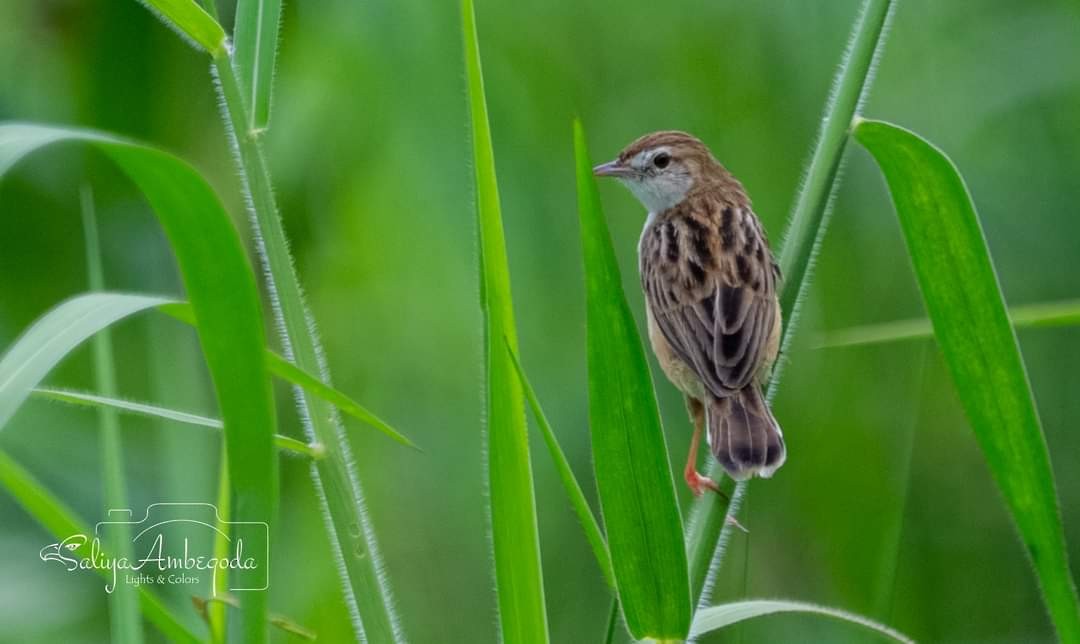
(708, 531)
(124, 618)
(335, 477)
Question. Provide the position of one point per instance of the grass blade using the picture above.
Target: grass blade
(633, 476)
(255, 48)
(340, 494)
(809, 219)
(53, 336)
(61, 522)
(964, 302)
(518, 579)
(95, 401)
(286, 370)
(716, 617)
(293, 374)
(191, 21)
(1031, 316)
(581, 507)
(147, 410)
(707, 530)
(225, 302)
(123, 602)
(216, 614)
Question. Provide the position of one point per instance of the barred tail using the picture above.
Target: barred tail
(744, 435)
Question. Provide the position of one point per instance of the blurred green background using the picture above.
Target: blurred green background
(885, 506)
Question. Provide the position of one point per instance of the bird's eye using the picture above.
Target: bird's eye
(662, 160)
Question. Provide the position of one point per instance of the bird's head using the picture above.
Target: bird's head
(661, 168)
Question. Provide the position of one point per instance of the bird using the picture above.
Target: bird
(710, 282)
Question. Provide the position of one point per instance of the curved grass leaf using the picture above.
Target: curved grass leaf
(293, 374)
(964, 302)
(255, 41)
(191, 21)
(570, 484)
(59, 520)
(94, 401)
(633, 475)
(514, 539)
(53, 336)
(707, 529)
(1030, 316)
(223, 295)
(717, 617)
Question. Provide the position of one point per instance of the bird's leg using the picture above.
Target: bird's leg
(695, 480)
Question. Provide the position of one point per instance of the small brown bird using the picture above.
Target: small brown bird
(710, 285)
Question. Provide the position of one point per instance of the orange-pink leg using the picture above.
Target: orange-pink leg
(698, 483)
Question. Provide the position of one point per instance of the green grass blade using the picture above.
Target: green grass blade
(216, 613)
(293, 374)
(255, 48)
(964, 302)
(577, 499)
(53, 336)
(1031, 316)
(286, 370)
(809, 220)
(124, 600)
(707, 529)
(62, 523)
(225, 302)
(633, 476)
(191, 21)
(717, 617)
(94, 401)
(340, 493)
(514, 539)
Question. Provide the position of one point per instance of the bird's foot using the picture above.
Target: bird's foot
(698, 484)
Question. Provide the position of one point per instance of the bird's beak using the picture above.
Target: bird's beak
(613, 169)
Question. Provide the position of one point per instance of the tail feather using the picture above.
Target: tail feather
(744, 436)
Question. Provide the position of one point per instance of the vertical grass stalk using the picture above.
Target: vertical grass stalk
(255, 50)
(216, 613)
(124, 620)
(707, 532)
(515, 541)
(335, 478)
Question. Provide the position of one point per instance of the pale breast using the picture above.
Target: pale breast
(678, 372)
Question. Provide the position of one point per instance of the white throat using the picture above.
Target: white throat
(660, 193)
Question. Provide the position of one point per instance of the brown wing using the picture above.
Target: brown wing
(710, 282)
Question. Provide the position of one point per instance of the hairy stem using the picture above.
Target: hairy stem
(708, 529)
(341, 497)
